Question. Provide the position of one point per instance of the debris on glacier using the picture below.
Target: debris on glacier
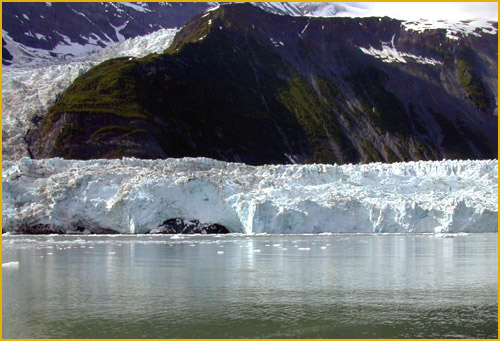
(138, 196)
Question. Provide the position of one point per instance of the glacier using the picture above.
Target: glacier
(30, 88)
(135, 196)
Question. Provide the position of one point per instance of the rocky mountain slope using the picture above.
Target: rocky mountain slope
(240, 84)
(63, 30)
(46, 31)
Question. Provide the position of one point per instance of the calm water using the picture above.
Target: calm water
(344, 286)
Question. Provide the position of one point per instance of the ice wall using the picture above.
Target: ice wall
(135, 196)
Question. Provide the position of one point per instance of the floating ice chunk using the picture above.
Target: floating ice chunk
(10, 265)
(220, 252)
(304, 248)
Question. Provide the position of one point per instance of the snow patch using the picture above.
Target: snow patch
(138, 6)
(119, 28)
(305, 27)
(389, 54)
(276, 43)
(40, 36)
(454, 29)
(216, 6)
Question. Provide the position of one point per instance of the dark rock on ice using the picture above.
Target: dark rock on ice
(188, 226)
(38, 229)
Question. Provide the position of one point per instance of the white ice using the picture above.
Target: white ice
(135, 196)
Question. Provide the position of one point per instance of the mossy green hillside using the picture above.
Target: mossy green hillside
(470, 80)
(318, 121)
(370, 152)
(383, 108)
(108, 88)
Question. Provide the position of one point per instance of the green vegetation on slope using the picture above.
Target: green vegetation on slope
(383, 108)
(470, 80)
(318, 121)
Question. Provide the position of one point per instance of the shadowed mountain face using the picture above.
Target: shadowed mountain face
(240, 84)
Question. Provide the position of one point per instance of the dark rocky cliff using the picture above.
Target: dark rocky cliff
(240, 84)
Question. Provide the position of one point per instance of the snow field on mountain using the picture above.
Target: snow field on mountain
(135, 196)
(29, 91)
(454, 29)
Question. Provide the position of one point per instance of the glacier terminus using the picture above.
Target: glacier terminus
(135, 196)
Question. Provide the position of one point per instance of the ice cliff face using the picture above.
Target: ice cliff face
(136, 196)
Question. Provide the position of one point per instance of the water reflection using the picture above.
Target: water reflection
(338, 286)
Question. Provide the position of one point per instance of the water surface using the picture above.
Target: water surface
(268, 286)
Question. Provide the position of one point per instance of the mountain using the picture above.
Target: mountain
(60, 30)
(34, 31)
(241, 84)
(311, 9)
